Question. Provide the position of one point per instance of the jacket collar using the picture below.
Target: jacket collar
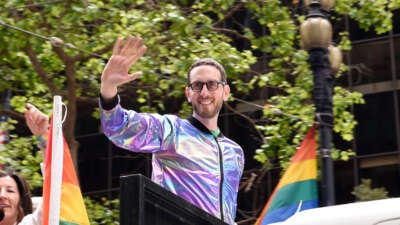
(196, 123)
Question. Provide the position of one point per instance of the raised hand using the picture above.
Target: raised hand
(37, 121)
(125, 53)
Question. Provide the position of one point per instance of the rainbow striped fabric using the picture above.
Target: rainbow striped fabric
(71, 205)
(297, 189)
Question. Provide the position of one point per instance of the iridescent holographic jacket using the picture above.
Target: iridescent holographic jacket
(187, 159)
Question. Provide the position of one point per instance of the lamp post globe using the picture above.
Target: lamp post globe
(316, 32)
(335, 58)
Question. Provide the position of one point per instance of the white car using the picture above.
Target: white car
(376, 212)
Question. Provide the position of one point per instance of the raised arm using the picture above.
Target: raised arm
(125, 53)
(38, 124)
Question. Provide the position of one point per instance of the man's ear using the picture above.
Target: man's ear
(187, 94)
(227, 92)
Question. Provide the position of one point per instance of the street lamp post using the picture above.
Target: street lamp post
(316, 36)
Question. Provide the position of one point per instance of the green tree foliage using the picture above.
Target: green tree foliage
(20, 155)
(60, 48)
(103, 211)
(364, 192)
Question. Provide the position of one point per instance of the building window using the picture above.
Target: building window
(376, 130)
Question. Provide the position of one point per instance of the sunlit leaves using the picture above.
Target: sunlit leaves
(20, 156)
(102, 211)
(370, 14)
(394, 4)
(344, 120)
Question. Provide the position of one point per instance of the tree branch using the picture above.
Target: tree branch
(260, 135)
(13, 114)
(230, 32)
(61, 54)
(37, 66)
(229, 14)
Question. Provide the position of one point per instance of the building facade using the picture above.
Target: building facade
(374, 71)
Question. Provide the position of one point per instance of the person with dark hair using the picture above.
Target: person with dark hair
(191, 157)
(15, 200)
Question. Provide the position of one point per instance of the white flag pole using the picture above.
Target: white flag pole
(56, 162)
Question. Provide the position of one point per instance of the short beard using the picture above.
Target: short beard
(207, 114)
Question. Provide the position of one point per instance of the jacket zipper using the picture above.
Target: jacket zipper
(196, 123)
(221, 168)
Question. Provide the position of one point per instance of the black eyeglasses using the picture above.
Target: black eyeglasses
(212, 85)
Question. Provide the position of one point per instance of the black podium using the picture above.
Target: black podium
(143, 202)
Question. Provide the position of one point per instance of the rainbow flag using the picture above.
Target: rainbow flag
(62, 198)
(297, 189)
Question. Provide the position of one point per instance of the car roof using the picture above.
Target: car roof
(376, 212)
